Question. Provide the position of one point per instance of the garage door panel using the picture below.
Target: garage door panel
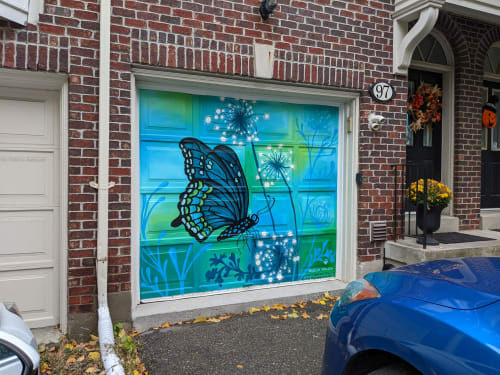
(320, 210)
(28, 120)
(283, 228)
(30, 203)
(33, 292)
(323, 174)
(27, 236)
(157, 121)
(27, 177)
(283, 220)
(315, 125)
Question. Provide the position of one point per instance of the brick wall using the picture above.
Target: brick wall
(344, 44)
(470, 41)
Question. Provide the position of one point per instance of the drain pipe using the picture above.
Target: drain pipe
(110, 360)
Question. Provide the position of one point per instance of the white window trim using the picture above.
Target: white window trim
(153, 312)
(29, 13)
(52, 81)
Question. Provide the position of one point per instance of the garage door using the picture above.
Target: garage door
(235, 193)
(29, 203)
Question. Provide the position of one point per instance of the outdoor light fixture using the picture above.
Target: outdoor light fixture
(267, 7)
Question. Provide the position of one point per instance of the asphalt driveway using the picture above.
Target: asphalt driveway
(244, 344)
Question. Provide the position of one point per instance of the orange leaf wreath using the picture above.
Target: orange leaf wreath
(425, 106)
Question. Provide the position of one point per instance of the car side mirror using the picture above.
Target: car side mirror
(14, 362)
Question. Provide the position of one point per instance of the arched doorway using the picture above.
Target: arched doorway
(490, 143)
(432, 64)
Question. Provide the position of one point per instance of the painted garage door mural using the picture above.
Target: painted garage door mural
(234, 193)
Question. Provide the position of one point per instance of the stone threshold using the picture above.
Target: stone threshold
(407, 251)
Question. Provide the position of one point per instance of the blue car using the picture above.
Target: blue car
(438, 317)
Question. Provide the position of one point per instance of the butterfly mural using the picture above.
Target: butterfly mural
(217, 193)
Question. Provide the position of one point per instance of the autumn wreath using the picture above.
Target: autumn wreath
(425, 106)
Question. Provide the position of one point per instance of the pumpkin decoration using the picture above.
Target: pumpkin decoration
(490, 113)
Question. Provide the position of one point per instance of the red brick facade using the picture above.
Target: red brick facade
(341, 44)
(470, 41)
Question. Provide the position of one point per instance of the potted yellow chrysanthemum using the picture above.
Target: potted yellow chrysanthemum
(438, 198)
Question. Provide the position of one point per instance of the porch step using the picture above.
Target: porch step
(448, 224)
(407, 251)
(490, 219)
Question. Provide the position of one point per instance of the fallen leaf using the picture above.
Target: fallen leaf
(91, 370)
(328, 296)
(199, 320)
(239, 366)
(293, 315)
(95, 356)
(135, 333)
(322, 302)
(225, 317)
(266, 308)
(42, 348)
(274, 316)
(283, 317)
(305, 315)
(213, 320)
(71, 360)
(316, 301)
(164, 325)
(68, 347)
(53, 348)
(94, 338)
(45, 367)
(254, 310)
(322, 316)
(80, 358)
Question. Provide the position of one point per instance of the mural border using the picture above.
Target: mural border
(253, 89)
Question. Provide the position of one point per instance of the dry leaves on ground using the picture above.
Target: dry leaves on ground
(72, 357)
(327, 299)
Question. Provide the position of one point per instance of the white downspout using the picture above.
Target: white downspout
(110, 360)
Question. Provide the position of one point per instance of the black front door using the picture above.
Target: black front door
(423, 148)
(490, 156)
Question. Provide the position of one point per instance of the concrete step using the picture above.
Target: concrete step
(448, 224)
(407, 251)
(490, 219)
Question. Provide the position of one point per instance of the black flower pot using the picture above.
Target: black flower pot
(432, 223)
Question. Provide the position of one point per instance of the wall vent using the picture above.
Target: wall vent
(378, 231)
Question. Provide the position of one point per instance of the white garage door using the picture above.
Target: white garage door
(30, 203)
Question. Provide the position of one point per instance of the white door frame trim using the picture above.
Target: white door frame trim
(59, 82)
(348, 103)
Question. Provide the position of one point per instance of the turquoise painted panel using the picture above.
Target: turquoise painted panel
(165, 114)
(234, 193)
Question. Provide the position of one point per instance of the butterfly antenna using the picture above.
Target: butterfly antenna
(267, 209)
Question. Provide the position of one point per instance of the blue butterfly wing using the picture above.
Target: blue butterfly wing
(217, 194)
(234, 183)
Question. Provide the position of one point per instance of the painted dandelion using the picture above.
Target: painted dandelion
(237, 122)
(274, 257)
(276, 164)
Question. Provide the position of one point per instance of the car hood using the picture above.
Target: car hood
(463, 283)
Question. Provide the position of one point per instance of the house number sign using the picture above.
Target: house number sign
(382, 92)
